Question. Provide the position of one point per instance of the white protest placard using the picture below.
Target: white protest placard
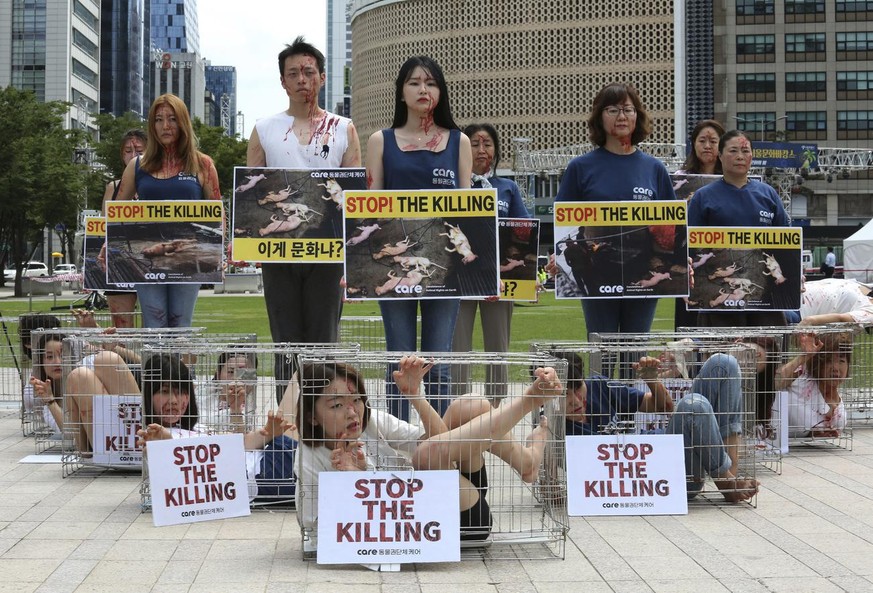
(626, 475)
(116, 418)
(388, 517)
(198, 479)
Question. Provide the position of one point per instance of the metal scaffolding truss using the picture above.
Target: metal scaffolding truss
(831, 162)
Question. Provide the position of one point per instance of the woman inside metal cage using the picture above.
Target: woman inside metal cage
(170, 411)
(812, 380)
(46, 384)
(339, 431)
(709, 418)
(229, 397)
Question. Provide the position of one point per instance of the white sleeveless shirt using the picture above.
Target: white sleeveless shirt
(325, 149)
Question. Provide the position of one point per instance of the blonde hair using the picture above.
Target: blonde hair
(186, 146)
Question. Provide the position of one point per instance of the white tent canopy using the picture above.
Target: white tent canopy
(858, 254)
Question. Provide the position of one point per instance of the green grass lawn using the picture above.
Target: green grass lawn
(549, 319)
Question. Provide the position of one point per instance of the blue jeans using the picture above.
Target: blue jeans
(626, 316)
(708, 415)
(437, 328)
(167, 305)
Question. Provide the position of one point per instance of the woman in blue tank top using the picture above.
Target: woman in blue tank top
(170, 169)
(423, 149)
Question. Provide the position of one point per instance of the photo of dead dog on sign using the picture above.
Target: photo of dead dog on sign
(749, 269)
(616, 249)
(421, 244)
(288, 215)
(164, 242)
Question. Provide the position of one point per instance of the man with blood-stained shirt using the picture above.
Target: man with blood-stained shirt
(304, 300)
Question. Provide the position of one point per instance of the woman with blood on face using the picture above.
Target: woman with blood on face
(170, 169)
(617, 170)
(496, 315)
(123, 302)
(423, 138)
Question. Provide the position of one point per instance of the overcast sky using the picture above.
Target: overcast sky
(250, 37)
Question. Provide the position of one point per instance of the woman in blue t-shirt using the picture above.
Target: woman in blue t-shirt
(496, 315)
(423, 149)
(615, 171)
(171, 168)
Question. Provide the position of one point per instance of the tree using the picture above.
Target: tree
(227, 153)
(40, 185)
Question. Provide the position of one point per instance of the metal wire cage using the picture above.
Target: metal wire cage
(800, 411)
(54, 360)
(524, 465)
(857, 391)
(702, 407)
(231, 387)
(13, 364)
(20, 341)
(101, 401)
(369, 332)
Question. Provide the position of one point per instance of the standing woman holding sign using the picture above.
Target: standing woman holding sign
(617, 171)
(422, 139)
(496, 315)
(736, 200)
(171, 169)
(123, 302)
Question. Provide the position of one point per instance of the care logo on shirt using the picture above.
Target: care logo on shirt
(186, 177)
(643, 193)
(444, 177)
(766, 217)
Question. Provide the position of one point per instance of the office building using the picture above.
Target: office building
(51, 47)
(339, 58)
(174, 26)
(221, 84)
(124, 44)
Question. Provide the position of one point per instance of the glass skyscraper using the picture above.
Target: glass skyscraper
(174, 26)
(123, 56)
(221, 82)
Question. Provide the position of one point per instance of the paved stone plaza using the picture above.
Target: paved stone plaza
(812, 530)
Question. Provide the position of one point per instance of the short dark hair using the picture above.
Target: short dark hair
(442, 113)
(616, 93)
(168, 369)
(491, 131)
(575, 368)
(728, 136)
(692, 163)
(297, 48)
(314, 379)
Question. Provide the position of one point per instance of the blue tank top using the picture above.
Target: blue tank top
(183, 186)
(420, 169)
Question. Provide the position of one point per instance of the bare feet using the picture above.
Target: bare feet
(737, 489)
(536, 442)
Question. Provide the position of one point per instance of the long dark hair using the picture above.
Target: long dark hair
(614, 94)
(692, 163)
(765, 379)
(314, 379)
(442, 113)
(491, 131)
(38, 363)
(162, 370)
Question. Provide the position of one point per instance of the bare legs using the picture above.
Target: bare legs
(110, 376)
(462, 446)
